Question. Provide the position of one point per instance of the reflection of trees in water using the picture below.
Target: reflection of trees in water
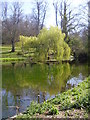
(47, 78)
(34, 81)
(76, 69)
(57, 77)
(9, 103)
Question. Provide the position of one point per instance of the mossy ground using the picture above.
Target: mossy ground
(74, 103)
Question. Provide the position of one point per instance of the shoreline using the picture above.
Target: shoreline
(53, 111)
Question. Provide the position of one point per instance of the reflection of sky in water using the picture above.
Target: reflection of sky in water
(75, 80)
(22, 100)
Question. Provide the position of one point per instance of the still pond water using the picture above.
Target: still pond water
(23, 83)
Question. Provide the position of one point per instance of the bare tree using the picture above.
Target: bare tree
(39, 13)
(15, 20)
(55, 4)
(89, 33)
(83, 21)
(67, 19)
(28, 26)
(4, 10)
(10, 22)
(89, 20)
(5, 22)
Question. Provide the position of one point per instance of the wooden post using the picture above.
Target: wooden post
(38, 98)
(17, 110)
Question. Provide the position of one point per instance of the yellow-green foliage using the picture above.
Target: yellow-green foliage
(49, 44)
(26, 42)
(67, 51)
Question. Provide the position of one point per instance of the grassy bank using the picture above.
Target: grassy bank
(18, 55)
(74, 103)
(8, 56)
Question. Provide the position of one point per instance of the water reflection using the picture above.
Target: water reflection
(23, 83)
(74, 81)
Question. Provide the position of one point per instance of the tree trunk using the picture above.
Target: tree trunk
(56, 16)
(13, 46)
(89, 36)
(38, 8)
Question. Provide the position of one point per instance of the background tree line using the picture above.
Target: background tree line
(71, 21)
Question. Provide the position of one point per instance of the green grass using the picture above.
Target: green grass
(11, 59)
(8, 56)
(76, 98)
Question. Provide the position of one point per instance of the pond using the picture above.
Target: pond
(24, 83)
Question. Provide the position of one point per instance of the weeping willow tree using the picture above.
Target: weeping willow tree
(48, 45)
(23, 43)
